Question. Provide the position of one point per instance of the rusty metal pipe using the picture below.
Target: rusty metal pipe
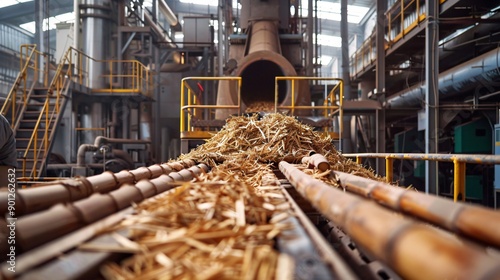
(406, 245)
(44, 196)
(98, 142)
(41, 227)
(262, 62)
(82, 150)
(473, 221)
(264, 37)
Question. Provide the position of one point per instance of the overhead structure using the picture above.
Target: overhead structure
(262, 56)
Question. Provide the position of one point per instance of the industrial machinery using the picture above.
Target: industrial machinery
(264, 73)
(243, 214)
(266, 49)
(263, 196)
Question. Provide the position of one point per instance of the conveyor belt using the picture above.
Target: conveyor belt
(362, 236)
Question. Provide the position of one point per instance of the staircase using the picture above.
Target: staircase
(36, 130)
(34, 108)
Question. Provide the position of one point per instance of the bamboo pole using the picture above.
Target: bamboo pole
(412, 249)
(318, 161)
(476, 222)
(41, 227)
(44, 196)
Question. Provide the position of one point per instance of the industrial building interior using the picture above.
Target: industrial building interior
(115, 103)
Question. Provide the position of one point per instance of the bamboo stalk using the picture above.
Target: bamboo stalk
(470, 220)
(405, 245)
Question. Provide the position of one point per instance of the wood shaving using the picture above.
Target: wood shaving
(222, 225)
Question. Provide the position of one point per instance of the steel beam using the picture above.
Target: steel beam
(432, 94)
(309, 30)
(346, 144)
(380, 83)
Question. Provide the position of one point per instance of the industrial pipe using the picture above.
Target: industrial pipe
(41, 227)
(258, 68)
(167, 12)
(44, 196)
(82, 150)
(404, 244)
(458, 79)
(163, 38)
(263, 62)
(472, 221)
(99, 142)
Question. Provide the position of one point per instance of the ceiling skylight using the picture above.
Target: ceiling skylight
(328, 40)
(331, 11)
(30, 26)
(326, 9)
(209, 2)
(325, 59)
(6, 3)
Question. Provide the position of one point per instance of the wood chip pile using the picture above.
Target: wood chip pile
(260, 106)
(252, 142)
(222, 225)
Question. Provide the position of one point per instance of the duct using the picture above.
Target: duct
(258, 70)
(465, 41)
(96, 33)
(459, 79)
(159, 31)
(167, 12)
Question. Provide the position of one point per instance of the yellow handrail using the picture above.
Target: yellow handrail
(28, 60)
(190, 101)
(459, 161)
(397, 28)
(135, 72)
(56, 87)
(329, 106)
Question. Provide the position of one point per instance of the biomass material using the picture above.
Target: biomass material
(215, 228)
(222, 225)
(273, 138)
(260, 106)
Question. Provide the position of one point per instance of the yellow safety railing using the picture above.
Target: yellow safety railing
(402, 17)
(364, 56)
(122, 76)
(30, 72)
(459, 161)
(329, 107)
(127, 76)
(191, 105)
(48, 115)
(74, 65)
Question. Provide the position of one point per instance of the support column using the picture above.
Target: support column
(76, 25)
(346, 145)
(157, 109)
(309, 54)
(221, 38)
(380, 85)
(431, 94)
(39, 14)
